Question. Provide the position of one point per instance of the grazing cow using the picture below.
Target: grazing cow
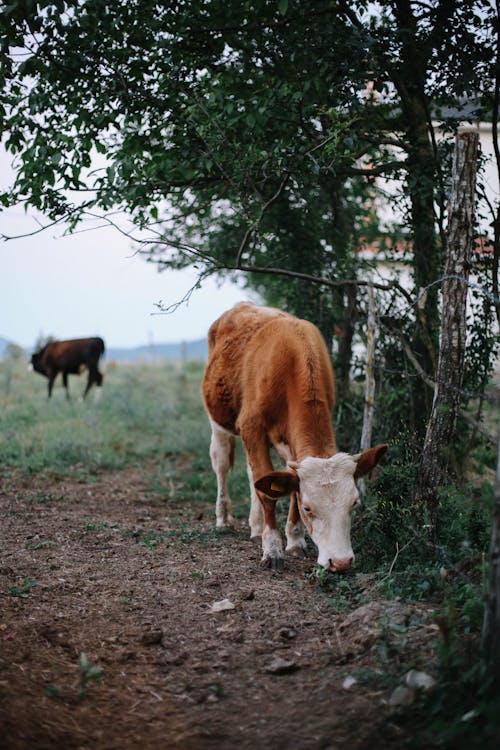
(269, 379)
(71, 358)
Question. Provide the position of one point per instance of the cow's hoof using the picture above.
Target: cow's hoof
(297, 551)
(228, 528)
(273, 563)
(256, 539)
(225, 525)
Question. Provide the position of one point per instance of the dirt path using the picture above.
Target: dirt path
(110, 570)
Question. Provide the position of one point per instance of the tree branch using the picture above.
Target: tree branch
(252, 228)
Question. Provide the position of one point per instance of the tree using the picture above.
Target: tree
(441, 427)
(232, 130)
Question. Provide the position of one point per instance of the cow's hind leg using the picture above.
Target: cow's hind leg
(296, 543)
(65, 384)
(99, 377)
(94, 377)
(222, 447)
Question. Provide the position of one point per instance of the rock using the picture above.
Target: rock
(287, 634)
(222, 605)
(364, 625)
(419, 680)
(402, 696)
(374, 614)
(281, 666)
(349, 682)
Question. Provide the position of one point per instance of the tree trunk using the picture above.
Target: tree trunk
(490, 641)
(344, 355)
(441, 426)
(409, 75)
(371, 335)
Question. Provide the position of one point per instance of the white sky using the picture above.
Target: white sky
(92, 284)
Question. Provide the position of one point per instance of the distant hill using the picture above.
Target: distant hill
(150, 353)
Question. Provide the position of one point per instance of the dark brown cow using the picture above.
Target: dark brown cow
(269, 380)
(70, 358)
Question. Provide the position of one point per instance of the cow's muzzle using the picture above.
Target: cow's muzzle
(340, 565)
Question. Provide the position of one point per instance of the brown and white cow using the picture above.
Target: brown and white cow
(71, 358)
(269, 379)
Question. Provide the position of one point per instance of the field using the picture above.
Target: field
(127, 621)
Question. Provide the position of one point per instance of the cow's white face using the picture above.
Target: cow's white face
(328, 495)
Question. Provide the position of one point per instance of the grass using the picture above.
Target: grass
(145, 412)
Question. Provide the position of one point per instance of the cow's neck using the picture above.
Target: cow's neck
(310, 431)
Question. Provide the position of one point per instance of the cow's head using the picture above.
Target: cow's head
(327, 494)
(36, 362)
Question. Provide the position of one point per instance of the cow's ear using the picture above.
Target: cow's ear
(367, 460)
(278, 483)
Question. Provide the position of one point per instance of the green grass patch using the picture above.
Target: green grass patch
(145, 412)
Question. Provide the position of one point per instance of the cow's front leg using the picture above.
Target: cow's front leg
(256, 517)
(296, 543)
(259, 463)
(272, 544)
(222, 456)
(51, 384)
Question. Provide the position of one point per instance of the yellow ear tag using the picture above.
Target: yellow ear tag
(277, 487)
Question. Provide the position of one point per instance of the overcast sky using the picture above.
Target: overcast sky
(92, 284)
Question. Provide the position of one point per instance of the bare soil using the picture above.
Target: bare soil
(107, 568)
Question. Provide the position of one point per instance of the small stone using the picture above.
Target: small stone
(419, 680)
(281, 666)
(349, 682)
(402, 696)
(287, 634)
(222, 605)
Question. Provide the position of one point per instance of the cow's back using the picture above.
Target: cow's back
(70, 355)
(229, 339)
(262, 360)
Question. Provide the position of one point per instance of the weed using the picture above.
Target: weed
(41, 497)
(41, 544)
(216, 690)
(375, 679)
(52, 691)
(413, 582)
(87, 673)
(22, 591)
(203, 574)
(149, 540)
(340, 591)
